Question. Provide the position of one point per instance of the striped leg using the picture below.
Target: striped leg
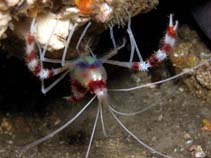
(156, 58)
(78, 92)
(35, 65)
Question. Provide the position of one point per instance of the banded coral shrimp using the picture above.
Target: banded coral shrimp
(88, 75)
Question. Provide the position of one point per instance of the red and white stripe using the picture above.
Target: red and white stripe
(167, 45)
(33, 61)
(78, 92)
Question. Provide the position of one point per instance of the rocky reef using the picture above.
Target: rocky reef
(55, 19)
(190, 51)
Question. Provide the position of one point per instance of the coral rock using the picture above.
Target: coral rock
(48, 26)
(19, 13)
(190, 51)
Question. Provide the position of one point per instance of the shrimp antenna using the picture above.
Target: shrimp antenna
(81, 37)
(91, 52)
(133, 113)
(93, 132)
(145, 108)
(184, 72)
(112, 36)
(71, 31)
(32, 27)
(50, 135)
(133, 42)
(102, 120)
(135, 137)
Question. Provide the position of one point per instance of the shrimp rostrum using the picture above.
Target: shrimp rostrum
(88, 74)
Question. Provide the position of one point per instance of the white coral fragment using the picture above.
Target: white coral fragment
(4, 21)
(49, 27)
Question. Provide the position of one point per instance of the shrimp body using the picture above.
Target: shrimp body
(89, 75)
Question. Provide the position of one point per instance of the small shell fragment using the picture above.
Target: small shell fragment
(206, 125)
(197, 151)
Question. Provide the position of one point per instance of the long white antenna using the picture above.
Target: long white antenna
(50, 135)
(187, 71)
(93, 132)
(71, 31)
(81, 37)
(135, 137)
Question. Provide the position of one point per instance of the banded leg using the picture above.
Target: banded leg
(155, 59)
(78, 92)
(35, 65)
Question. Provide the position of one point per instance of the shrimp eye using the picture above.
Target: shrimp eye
(84, 6)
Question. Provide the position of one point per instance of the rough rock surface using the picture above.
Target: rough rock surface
(190, 51)
(16, 16)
